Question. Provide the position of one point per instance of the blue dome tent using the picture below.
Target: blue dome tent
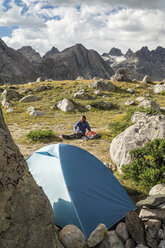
(81, 190)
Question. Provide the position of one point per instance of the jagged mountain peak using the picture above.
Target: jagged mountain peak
(53, 51)
(115, 52)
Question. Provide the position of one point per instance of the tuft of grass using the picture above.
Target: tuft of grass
(40, 135)
(118, 127)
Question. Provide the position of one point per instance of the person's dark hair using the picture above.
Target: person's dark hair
(84, 117)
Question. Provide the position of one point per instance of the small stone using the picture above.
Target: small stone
(37, 113)
(81, 95)
(152, 243)
(111, 241)
(122, 231)
(149, 104)
(130, 90)
(40, 79)
(24, 91)
(140, 99)
(97, 235)
(66, 105)
(6, 103)
(30, 109)
(154, 224)
(72, 237)
(98, 92)
(129, 102)
(54, 106)
(88, 107)
(10, 110)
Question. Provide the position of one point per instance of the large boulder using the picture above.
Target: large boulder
(136, 136)
(158, 189)
(102, 85)
(72, 237)
(26, 217)
(65, 105)
(147, 79)
(158, 88)
(122, 75)
(149, 104)
(9, 95)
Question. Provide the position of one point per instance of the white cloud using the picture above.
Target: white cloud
(95, 26)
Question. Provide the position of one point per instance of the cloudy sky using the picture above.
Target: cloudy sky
(97, 24)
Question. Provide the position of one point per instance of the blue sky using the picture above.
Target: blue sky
(96, 24)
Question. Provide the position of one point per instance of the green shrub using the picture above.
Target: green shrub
(40, 135)
(148, 164)
(118, 127)
(163, 93)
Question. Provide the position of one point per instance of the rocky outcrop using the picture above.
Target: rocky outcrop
(73, 62)
(142, 62)
(29, 98)
(29, 53)
(51, 53)
(14, 67)
(147, 79)
(113, 52)
(26, 217)
(145, 130)
(149, 104)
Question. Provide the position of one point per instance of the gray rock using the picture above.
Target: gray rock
(40, 79)
(152, 243)
(66, 105)
(136, 136)
(129, 102)
(122, 75)
(140, 99)
(111, 240)
(102, 105)
(22, 201)
(80, 78)
(154, 224)
(149, 104)
(147, 79)
(88, 107)
(138, 116)
(6, 103)
(81, 95)
(37, 113)
(72, 237)
(157, 189)
(161, 206)
(162, 244)
(148, 213)
(30, 109)
(135, 227)
(161, 234)
(42, 88)
(158, 88)
(9, 95)
(130, 243)
(97, 235)
(98, 92)
(130, 90)
(162, 108)
(152, 201)
(102, 85)
(24, 91)
(29, 98)
(122, 231)
(11, 110)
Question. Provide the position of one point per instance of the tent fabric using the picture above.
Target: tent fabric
(81, 190)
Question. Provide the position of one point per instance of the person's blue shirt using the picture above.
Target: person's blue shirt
(82, 126)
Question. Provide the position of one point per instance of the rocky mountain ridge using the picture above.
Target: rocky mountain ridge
(142, 62)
